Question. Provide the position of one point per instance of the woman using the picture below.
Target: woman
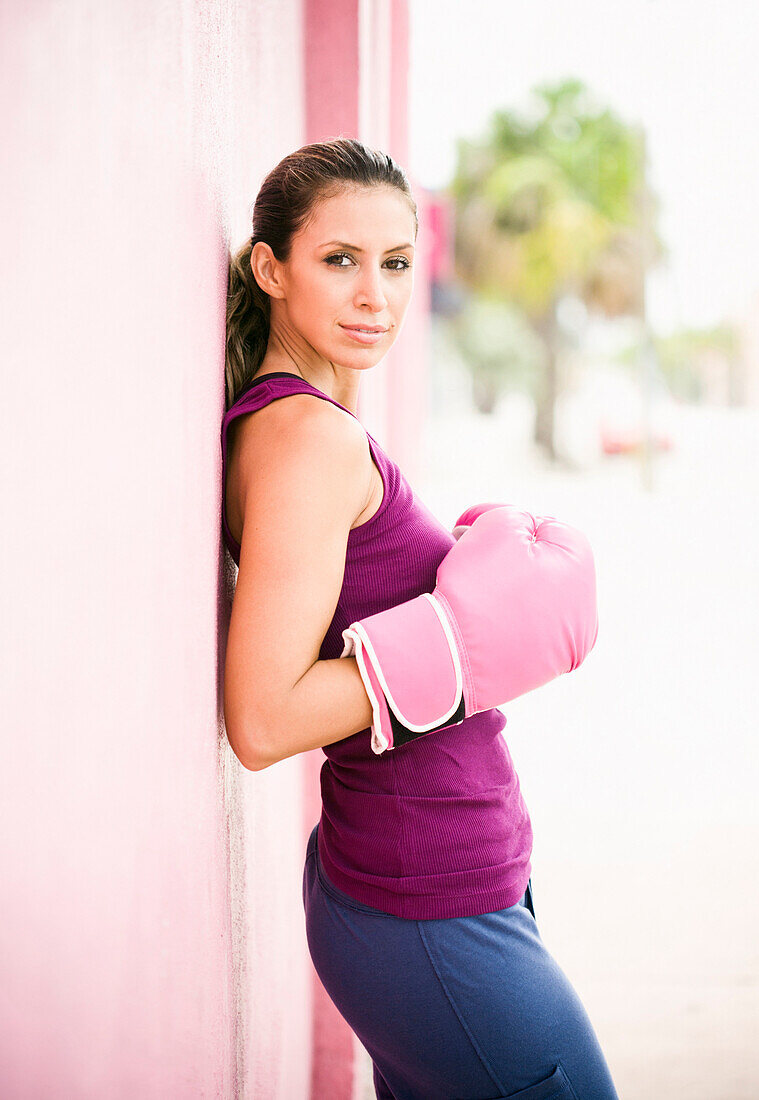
(417, 876)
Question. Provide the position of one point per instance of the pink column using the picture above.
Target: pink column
(333, 87)
(407, 365)
(331, 104)
(330, 68)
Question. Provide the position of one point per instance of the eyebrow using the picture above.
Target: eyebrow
(355, 248)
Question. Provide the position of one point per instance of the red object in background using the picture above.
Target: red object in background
(615, 442)
(439, 213)
(622, 417)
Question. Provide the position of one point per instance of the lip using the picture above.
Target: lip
(372, 337)
(372, 328)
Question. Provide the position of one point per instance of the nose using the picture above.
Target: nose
(370, 290)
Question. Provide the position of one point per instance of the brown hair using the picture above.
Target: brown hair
(283, 205)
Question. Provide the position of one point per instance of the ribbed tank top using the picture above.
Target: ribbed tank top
(437, 827)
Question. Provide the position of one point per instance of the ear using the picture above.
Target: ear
(266, 269)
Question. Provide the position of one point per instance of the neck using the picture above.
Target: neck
(339, 383)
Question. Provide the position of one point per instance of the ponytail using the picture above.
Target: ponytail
(248, 309)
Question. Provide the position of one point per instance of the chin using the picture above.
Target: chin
(360, 359)
(361, 364)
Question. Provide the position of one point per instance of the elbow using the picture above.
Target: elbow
(250, 749)
(253, 762)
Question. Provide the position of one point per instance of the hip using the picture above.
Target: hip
(468, 1006)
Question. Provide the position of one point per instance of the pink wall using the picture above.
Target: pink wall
(152, 932)
(153, 941)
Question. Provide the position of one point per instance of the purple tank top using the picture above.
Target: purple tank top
(437, 827)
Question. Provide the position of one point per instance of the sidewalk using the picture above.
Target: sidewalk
(640, 769)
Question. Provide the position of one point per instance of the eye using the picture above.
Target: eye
(393, 260)
(336, 256)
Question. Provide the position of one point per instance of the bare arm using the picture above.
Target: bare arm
(305, 474)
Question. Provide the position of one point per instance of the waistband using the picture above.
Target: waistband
(338, 895)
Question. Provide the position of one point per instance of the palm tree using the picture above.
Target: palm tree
(553, 205)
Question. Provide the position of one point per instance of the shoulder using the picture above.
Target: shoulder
(301, 423)
(306, 442)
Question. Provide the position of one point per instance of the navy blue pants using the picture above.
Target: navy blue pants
(462, 1008)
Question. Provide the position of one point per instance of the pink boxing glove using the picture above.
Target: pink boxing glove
(466, 519)
(514, 607)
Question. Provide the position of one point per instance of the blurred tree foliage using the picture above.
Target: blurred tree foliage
(503, 350)
(550, 203)
(680, 357)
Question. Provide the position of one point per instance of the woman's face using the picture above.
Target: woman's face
(352, 264)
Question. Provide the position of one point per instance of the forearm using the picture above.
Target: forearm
(327, 704)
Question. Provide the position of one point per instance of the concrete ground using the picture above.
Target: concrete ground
(640, 769)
